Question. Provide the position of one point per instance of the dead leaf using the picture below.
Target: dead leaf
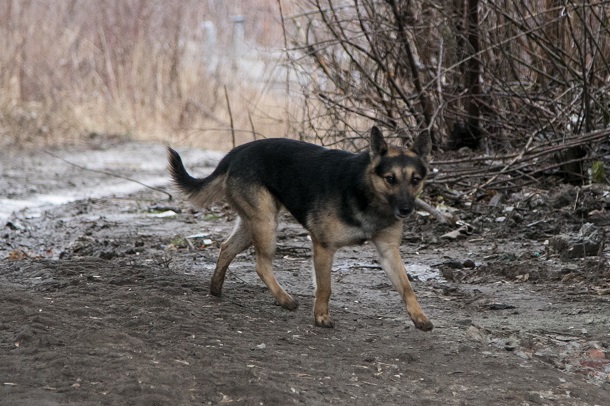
(17, 255)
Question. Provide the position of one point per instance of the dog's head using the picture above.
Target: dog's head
(397, 174)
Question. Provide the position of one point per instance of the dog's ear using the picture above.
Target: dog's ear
(378, 145)
(422, 145)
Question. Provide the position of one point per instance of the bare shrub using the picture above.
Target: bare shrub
(487, 74)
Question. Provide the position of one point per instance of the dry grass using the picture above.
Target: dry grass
(139, 69)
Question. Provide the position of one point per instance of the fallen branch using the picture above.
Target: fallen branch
(443, 219)
(496, 172)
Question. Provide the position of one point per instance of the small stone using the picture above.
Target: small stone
(500, 306)
(14, 225)
(597, 354)
(564, 196)
(261, 346)
(536, 201)
(453, 235)
(454, 264)
(464, 322)
(522, 354)
(588, 242)
(535, 398)
(448, 274)
(496, 200)
(369, 359)
(164, 214)
(108, 255)
(476, 334)
(501, 219)
(546, 356)
(469, 263)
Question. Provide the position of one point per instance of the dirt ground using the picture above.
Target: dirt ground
(104, 299)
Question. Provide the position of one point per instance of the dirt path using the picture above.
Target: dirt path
(105, 301)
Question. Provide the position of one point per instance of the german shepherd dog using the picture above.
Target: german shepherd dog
(341, 198)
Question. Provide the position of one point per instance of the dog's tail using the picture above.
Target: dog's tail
(201, 192)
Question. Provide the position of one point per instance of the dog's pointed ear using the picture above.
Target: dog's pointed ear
(422, 145)
(378, 145)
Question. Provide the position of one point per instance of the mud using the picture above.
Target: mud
(105, 300)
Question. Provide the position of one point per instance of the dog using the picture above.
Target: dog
(341, 198)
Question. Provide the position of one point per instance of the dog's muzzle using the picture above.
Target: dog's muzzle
(403, 211)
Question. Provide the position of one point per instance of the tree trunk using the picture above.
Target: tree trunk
(472, 135)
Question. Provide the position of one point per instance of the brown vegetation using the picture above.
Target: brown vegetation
(137, 68)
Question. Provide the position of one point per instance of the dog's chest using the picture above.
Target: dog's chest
(332, 231)
(353, 236)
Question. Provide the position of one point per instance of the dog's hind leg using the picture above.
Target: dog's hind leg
(238, 241)
(258, 210)
(263, 237)
(261, 218)
(387, 243)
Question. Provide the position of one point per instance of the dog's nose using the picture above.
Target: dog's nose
(404, 210)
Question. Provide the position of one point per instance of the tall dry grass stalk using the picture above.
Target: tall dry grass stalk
(144, 69)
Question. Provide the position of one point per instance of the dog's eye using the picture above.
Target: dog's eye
(415, 179)
(390, 179)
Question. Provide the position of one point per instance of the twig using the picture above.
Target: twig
(84, 168)
(576, 200)
(230, 117)
(190, 244)
(207, 112)
(420, 204)
(283, 22)
(252, 125)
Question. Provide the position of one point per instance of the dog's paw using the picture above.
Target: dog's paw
(324, 321)
(423, 324)
(289, 303)
(215, 290)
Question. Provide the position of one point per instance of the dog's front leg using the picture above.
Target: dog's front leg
(322, 263)
(387, 244)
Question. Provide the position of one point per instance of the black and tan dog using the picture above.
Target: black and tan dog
(341, 198)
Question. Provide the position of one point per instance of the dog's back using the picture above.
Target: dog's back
(300, 175)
